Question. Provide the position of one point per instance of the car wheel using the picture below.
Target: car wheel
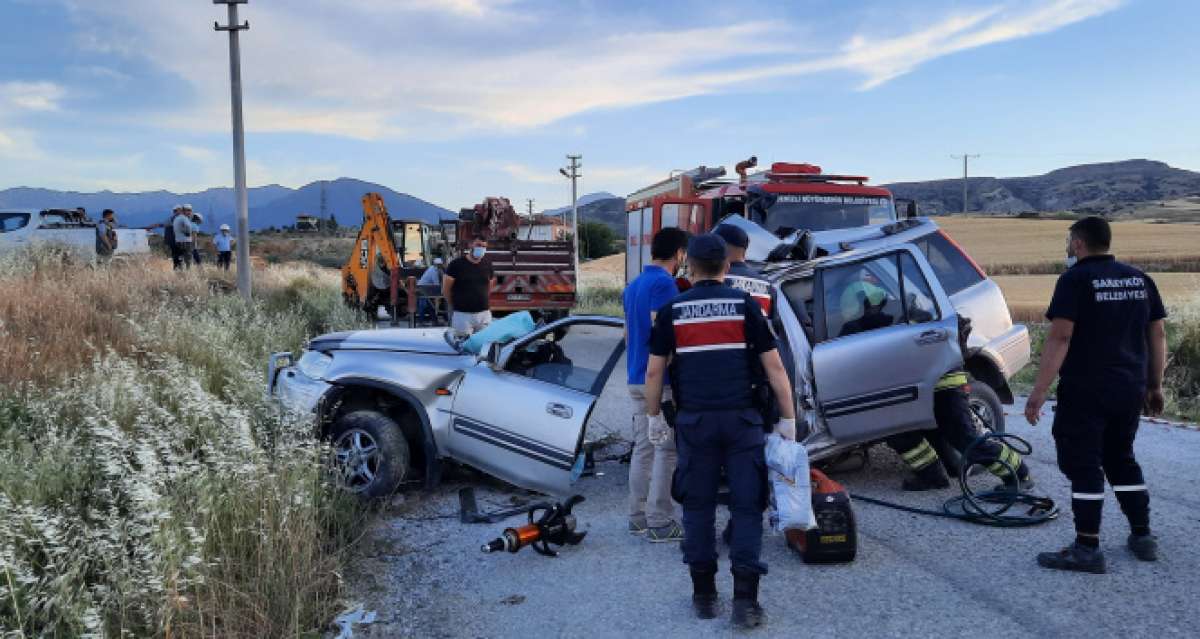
(985, 403)
(370, 454)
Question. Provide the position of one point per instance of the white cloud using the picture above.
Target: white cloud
(195, 153)
(30, 96)
(304, 73)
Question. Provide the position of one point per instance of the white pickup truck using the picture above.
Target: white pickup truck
(21, 228)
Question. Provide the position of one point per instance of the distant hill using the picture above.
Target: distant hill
(343, 199)
(1108, 188)
(604, 208)
(272, 205)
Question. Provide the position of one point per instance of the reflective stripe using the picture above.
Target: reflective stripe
(920, 456)
(951, 380)
(1120, 489)
(1007, 455)
(712, 347)
(1087, 496)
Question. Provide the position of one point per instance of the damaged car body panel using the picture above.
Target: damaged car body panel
(474, 409)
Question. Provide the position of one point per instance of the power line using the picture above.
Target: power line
(965, 157)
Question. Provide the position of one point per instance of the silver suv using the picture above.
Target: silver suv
(399, 403)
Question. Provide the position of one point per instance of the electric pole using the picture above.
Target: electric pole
(529, 207)
(239, 144)
(574, 176)
(965, 158)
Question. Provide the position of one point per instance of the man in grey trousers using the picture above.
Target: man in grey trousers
(651, 510)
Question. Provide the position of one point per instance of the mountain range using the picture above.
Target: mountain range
(270, 206)
(1109, 187)
(1106, 188)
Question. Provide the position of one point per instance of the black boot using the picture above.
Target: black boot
(931, 477)
(704, 592)
(747, 614)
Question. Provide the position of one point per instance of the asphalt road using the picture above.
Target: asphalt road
(422, 572)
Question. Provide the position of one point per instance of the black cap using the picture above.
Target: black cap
(733, 235)
(708, 246)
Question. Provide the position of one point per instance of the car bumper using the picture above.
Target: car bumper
(293, 390)
(1010, 350)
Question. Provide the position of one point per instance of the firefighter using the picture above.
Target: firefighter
(741, 275)
(720, 352)
(1108, 347)
(957, 426)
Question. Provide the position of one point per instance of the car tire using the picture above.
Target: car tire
(370, 454)
(986, 405)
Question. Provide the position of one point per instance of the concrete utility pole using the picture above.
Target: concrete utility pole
(529, 207)
(965, 157)
(239, 145)
(574, 176)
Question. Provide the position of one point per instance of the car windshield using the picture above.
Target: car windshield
(13, 221)
(814, 212)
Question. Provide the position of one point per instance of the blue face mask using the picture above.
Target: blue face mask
(478, 252)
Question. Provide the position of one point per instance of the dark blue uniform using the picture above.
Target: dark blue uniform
(1102, 384)
(714, 336)
(745, 278)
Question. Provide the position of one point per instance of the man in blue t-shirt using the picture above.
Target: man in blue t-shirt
(1108, 347)
(651, 511)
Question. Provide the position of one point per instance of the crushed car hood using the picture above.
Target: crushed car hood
(412, 340)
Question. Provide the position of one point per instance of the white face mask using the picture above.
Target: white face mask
(478, 252)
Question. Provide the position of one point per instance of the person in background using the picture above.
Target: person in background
(429, 285)
(106, 234)
(741, 275)
(180, 232)
(1107, 346)
(223, 244)
(651, 464)
(466, 286)
(196, 220)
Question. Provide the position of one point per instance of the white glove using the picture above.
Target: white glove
(658, 432)
(786, 428)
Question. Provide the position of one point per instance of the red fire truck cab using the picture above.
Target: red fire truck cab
(786, 198)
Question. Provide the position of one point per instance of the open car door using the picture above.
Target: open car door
(885, 333)
(521, 413)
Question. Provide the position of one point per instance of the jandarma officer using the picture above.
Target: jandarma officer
(1107, 345)
(741, 275)
(719, 349)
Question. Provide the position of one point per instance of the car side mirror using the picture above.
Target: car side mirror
(492, 354)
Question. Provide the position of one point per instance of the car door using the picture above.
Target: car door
(886, 332)
(521, 414)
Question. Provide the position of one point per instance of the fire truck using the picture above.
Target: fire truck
(786, 198)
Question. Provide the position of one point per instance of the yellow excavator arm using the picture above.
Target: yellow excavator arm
(371, 274)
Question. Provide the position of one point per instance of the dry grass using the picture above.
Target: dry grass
(1010, 246)
(1028, 295)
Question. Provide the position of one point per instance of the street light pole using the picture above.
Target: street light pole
(965, 158)
(239, 145)
(574, 176)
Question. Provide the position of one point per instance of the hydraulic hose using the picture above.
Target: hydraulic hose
(991, 507)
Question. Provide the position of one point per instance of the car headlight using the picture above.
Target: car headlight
(314, 364)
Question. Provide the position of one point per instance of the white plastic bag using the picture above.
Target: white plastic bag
(791, 488)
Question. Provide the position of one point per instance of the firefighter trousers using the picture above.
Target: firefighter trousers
(1093, 434)
(708, 442)
(957, 426)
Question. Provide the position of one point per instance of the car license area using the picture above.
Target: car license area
(519, 297)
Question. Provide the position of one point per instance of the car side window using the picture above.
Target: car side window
(875, 294)
(13, 221)
(952, 268)
(799, 294)
(573, 356)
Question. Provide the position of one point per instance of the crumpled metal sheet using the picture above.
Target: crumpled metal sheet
(347, 620)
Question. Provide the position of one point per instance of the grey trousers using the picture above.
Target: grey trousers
(650, 468)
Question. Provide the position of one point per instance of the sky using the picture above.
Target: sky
(454, 100)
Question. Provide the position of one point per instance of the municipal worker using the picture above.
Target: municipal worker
(1108, 347)
(718, 347)
(741, 275)
(223, 243)
(106, 234)
(651, 463)
(957, 426)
